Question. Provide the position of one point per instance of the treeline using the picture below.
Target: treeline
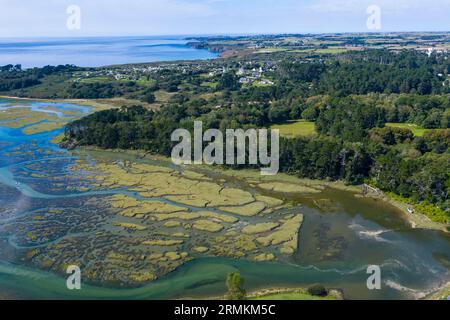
(349, 119)
(325, 158)
(13, 77)
(79, 90)
(424, 178)
(377, 71)
(125, 128)
(139, 128)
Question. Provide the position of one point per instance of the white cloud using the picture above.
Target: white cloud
(147, 17)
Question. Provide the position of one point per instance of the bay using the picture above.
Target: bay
(97, 51)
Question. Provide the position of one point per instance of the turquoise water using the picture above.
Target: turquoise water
(97, 51)
(335, 245)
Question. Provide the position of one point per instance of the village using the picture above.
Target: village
(249, 72)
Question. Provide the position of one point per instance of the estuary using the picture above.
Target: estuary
(143, 228)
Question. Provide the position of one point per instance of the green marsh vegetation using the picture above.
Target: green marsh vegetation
(171, 216)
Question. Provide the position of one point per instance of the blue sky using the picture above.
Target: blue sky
(42, 18)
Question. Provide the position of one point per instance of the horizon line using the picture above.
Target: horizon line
(226, 34)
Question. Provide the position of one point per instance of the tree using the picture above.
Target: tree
(235, 285)
(150, 98)
(317, 290)
(310, 114)
(391, 135)
(229, 81)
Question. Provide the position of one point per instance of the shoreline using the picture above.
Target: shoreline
(259, 294)
(333, 293)
(96, 105)
(440, 293)
(416, 220)
(443, 293)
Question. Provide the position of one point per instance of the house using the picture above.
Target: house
(244, 80)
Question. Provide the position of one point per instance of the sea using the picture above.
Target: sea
(97, 51)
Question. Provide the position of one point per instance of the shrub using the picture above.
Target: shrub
(235, 285)
(317, 290)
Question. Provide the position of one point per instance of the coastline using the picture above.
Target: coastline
(442, 293)
(416, 220)
(333, 294)
(97, 105)
(271, 293)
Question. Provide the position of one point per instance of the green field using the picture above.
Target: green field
(329, 50)
(163, 96)
(106, 79)
(418, 131)
(271, 50)
(144, 82)
(100, 79)
(300, 128)
(333, 50)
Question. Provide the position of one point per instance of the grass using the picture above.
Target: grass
(43, 127)
(286, 234)
(209, 226)
(163, 242)
(260, 228)
(259, 84)
(100, 79)
(163, 96)
(329, 50)
(208, 84)
(271, 50)
(418, 131)
(249, 210)
(105, 79)
(264, 257)
(18, 117)
(300, 128)
(283, 187)
(333, 50)
(144, 82)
